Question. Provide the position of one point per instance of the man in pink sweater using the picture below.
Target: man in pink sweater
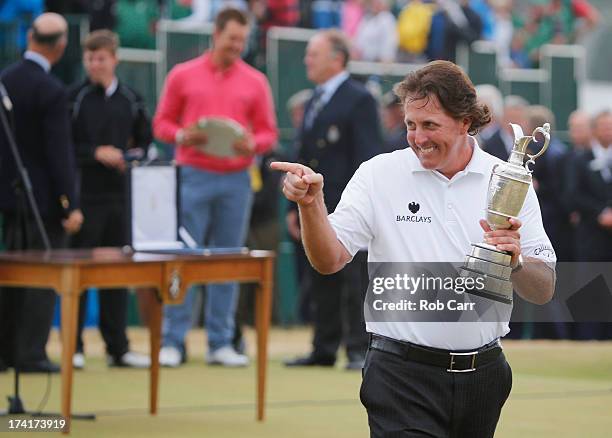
(215, 191)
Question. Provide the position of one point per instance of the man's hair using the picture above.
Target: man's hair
(514, 101)
(492, 98)
(47, 39)
(101, 39)
(600, 115)
(339, 43)
(538, 115)
(230, 14)
(453, 89)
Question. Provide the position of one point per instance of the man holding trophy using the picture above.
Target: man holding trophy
(434, 378)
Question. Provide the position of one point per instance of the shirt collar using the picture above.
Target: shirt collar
(38, 59)
(330, 86)
(598, 150)
(477, 164)
(112, 87)
(209, 64)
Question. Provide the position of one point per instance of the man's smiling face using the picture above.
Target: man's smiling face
(437, 139)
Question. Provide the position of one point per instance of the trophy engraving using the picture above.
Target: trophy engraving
(505, 197)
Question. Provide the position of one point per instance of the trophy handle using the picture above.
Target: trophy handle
(545, 131)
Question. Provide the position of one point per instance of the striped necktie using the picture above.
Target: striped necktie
(315, 107)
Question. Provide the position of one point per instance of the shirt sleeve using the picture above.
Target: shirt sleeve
(353, 218)
(265, 133)
(534, 241)
(169, 108)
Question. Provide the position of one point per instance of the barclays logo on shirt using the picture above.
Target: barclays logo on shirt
(413, 208)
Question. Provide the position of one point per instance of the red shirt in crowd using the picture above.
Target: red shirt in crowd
(196, 89)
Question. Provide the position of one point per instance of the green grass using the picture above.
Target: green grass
(561, 389)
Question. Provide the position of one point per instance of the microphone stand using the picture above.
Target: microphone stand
(15, 404)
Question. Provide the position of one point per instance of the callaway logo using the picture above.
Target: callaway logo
(414, 207)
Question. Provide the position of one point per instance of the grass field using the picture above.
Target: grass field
(561, 389)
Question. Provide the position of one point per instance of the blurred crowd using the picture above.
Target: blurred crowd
(423, 29)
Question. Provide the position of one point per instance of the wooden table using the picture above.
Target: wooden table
(70, 272)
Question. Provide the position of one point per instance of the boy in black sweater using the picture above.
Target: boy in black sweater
(109, 122)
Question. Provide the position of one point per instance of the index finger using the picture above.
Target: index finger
(285, 166)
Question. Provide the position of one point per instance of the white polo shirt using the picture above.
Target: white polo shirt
(374, 213)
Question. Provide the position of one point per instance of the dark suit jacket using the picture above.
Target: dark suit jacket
(42, 131)
(495, 146)
(590, 196)
(345, 133)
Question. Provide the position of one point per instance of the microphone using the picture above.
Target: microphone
(6, 100)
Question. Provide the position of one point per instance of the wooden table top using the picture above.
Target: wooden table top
(118, 255)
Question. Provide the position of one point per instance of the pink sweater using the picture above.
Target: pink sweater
(197, 88)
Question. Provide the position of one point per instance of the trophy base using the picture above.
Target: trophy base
(493, 266)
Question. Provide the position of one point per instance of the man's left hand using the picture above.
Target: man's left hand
(245, 146)
(72, 224)
(505, 240)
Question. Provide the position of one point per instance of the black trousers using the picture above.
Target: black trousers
(105, 225)
(26, 314)
(409, 399)
(338, 309)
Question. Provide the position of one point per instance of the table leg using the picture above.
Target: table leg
(69, 318)
(263, 304)
(155, 339)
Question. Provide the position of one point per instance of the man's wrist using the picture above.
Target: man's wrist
(519, 264)
(179, 137)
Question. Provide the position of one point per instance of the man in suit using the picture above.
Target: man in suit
(41, 127)
(341, 130)
(500, 143)
(593, 194)
(591, 180)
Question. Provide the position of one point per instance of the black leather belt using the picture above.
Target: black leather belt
(452, 361)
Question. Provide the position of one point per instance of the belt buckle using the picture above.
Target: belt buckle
(452, 362)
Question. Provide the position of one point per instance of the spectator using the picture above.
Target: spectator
(352, 14)
(21, 12)
(340, 131)
(109, 123)
(413, 28)
(500, 144)
(373, 41)
(503, 32)
(493, 99)
(580, 133)
(461, 25)
(326, 14)
(42, 133)
(591, 197)
(215, 192)
(393, 123)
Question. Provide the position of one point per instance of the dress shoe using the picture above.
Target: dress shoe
(311, 360)
(42, 366)
(355, 362)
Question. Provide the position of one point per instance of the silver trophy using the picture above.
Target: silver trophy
(507, 191)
